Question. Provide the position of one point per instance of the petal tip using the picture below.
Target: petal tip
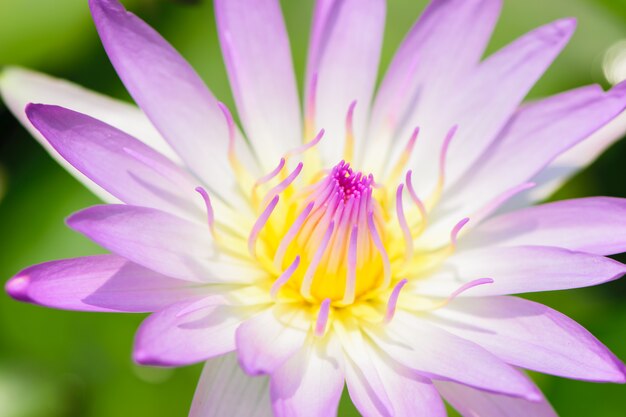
(567, 23)
(250, 369)
(144, 358)
(566, 27)
(17, 288)
(40, 114)
(32, 109)
(557, 32)
(246, 362)
(620, 373)
(535, 396)
(104, 4)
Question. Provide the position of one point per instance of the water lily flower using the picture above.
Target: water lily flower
(369, 240)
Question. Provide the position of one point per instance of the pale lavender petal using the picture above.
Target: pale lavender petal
(498, 87)
(411, 394)
(266, 341)
(119, 163)
(532, 336)
(484, 103)
(225, 390)
(344, 53)
(310, 382)
(20, 86)
(162, 242)
(470, 402)
(379, 387)
(595, 225)
(179, 335)
(99, 283)
(170, 92)
(428, 63)
(570, 162)
(365, 386)
(534, 137)
(519, 269)
(433, 352)
(541, 131)
(258, 58)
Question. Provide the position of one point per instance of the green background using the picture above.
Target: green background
(62, 364)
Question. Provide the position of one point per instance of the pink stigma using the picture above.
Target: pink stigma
(393, 301)
(350, 184)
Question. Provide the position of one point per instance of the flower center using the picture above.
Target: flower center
(332, 238)
(333, 248)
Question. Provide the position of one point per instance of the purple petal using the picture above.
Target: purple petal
(428, 63)
(170, 92)
(123, 166)
(498, 87)
(310, 382)
(267, 340)
(571, 161)
(19, 87)
(595, 225)
(224, 390)
(472, 403)
(162, 242)
(532, 336)
(258, 58)
(519, 269)
(345, 62)
(98, 283)
(483, 103)
(536, 135)
(182, 335)
(431, 351)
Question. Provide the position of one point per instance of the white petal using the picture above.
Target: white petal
(258, 59)
(474, 403)
(225, 390)
(310, 383)
(344, 54)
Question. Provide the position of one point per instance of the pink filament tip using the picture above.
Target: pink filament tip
(284, 277)
(350, 118)
(312, 93)
(258, 225)
(207, 302)
(411, 143)
(209, 207)
(349, 144)
(283, 184)
(272, 174)
(469, 285)
(406, 231)
(393, 300)
(322, 318)
(308, 145)
(444, 152)
(414, 197)
(502, 198)
(231, 126)
(454, 234)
